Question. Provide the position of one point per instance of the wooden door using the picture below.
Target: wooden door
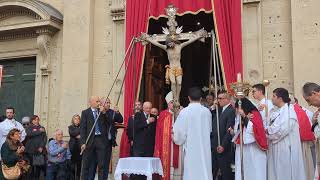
(18, 86)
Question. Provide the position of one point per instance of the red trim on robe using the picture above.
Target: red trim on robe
(258, 131)
(304, 124)
(163, 142)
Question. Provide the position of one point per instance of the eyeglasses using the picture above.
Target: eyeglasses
(220, 98)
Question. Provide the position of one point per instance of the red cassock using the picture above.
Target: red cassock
(304, 124)
(259, 132)
(163, 143)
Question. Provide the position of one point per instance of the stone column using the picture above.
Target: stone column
(251, 33)
(305, 18)
(43, 75)
(76, 75)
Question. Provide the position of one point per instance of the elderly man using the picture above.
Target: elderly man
(58, 154)
(311, 93)
(144, 130)
(113, 116)
(96, 143)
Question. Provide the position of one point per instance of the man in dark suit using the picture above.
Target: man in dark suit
(144, 132)
(113, 116)
(98, 141)
(222, 154)
(129, 130)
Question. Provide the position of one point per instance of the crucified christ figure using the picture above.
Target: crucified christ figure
(173, 47)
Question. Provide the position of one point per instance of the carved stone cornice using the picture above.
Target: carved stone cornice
(44, 19)
(18, 12)
(118, 9)
(26, 35)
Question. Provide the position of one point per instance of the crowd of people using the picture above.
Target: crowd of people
(278, 139)
(28, 154)
(279, 136)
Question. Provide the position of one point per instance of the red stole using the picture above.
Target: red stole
(162, 148)
(304, 124)
(258, 131)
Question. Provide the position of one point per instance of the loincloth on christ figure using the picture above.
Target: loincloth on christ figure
(175, 71)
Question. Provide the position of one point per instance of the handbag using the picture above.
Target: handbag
(11, 173)
(38, 160)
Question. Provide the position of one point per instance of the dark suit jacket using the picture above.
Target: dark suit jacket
(144, 136)
(114, 117)
(86, 123)
(226, 120)
(130, 129)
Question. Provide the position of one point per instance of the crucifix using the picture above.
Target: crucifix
(172, 35)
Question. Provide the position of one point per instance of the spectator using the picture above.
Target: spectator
(58, 155)
(74, 143)
(35, 146)
(12, 152)
(8, 124)
(25, 122)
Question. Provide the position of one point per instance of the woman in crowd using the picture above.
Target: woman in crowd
(74, 144)
(12, 152)
(35, 147)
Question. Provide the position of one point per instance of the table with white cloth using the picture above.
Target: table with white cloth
(139, 166)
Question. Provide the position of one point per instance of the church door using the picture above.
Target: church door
(18, 86)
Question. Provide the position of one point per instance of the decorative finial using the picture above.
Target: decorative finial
(240, 87)
(266, 82)
(171, 11)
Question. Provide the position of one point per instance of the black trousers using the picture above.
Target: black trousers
(222, 162)
(97, 150)
(93, 167)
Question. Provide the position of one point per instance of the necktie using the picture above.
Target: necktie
(96, 128)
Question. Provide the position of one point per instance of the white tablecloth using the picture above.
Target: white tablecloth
(139, 166)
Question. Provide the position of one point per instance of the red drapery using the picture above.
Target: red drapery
(228, 20)
(227, 15)
(157, 7)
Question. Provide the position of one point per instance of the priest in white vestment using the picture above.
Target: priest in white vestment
(192, 130)
(255, 143)
(285, 160)
(8, 124)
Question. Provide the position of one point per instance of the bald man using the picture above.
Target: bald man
(98, 142)
(144, 132)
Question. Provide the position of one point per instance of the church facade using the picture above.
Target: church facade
(57, 53)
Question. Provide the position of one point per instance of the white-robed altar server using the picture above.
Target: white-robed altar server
(285, 160)
(192, 130)
(264, 105)
(8, 124)
(255, 143)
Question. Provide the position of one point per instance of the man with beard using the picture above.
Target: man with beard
(8, 124)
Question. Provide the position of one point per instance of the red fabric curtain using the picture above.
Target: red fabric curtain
(227, 14)
(228, 20)
(136, 22)
(157, 7)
